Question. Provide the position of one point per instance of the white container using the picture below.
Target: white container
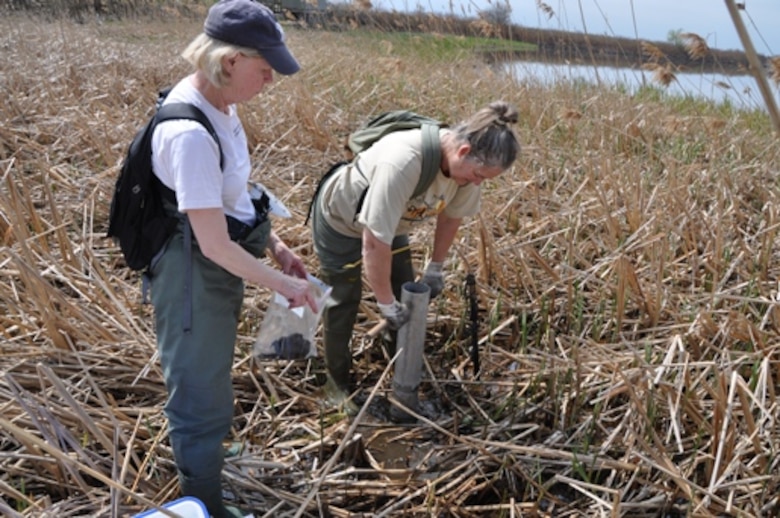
(186, 507)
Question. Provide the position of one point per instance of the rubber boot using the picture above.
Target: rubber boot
(338, 321)
(338, 357)
(210, 493)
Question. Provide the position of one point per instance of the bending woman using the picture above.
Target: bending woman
(365, 210)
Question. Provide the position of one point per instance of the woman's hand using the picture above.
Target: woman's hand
(298, 293)
(295, 287)
(210, 229)
(288, 260)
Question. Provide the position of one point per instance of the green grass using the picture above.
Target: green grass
(434, 47)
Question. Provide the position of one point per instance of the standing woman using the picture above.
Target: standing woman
(198, 288)
(365, 209)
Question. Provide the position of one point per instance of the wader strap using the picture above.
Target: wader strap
(238, 231)
(187, 315)
(335, 167)
(146, 282)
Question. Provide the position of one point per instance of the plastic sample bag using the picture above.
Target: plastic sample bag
(288, 333)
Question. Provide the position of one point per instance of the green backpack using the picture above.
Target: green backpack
(389, 122)
(400, 120)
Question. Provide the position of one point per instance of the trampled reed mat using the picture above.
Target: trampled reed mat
(626, 283)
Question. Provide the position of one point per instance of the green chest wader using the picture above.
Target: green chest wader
(197, 307)
(334, 251)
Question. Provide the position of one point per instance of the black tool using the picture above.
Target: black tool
(471, 291)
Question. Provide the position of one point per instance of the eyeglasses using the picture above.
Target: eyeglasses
(477, 160)
(478, 164)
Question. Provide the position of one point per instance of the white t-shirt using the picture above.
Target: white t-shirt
(391, 169)
(186, 158)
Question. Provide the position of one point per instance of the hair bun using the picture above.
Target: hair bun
(505, 113)
(507, 117)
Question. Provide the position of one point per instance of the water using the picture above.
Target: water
(741, 91)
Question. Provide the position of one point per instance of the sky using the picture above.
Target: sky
(650, 20)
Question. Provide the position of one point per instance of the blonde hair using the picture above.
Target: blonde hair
(205, 53)
(492, 140)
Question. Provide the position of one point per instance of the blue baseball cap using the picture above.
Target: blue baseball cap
(252, 25)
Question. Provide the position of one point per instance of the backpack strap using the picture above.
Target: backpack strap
(431, 158)
(185, 111)
(179, 111)
(431, 163)
(174, 111)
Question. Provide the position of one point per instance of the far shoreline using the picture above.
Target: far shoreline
(554, 46)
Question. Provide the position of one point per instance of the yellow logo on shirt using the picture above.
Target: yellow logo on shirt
(424, 210)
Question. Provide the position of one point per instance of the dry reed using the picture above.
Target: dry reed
(627, 274)
(545, 8)
(652, 52)
(695, 45)
(774, 70)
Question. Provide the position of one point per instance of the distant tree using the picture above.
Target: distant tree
(499, 14)
(674, 37)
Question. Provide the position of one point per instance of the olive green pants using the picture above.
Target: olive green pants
(197, 363)
(341, 267)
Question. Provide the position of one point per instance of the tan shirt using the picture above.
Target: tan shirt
(391, 169)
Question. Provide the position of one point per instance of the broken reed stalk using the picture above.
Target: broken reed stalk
(344, 441)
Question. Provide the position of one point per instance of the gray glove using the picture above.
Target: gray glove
(434, 278)
(396, 314)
